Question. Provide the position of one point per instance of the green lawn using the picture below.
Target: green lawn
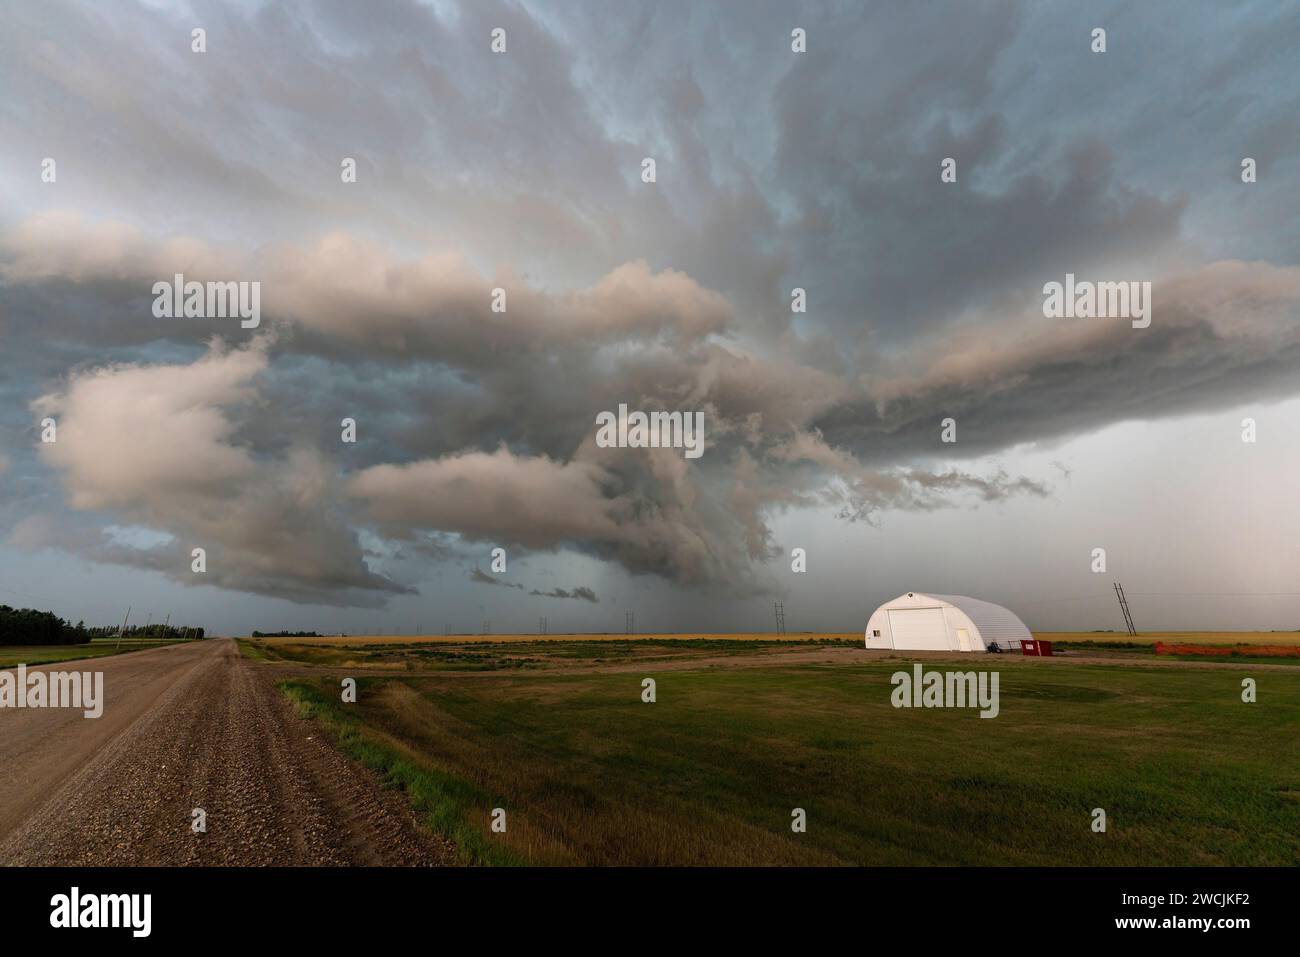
(11, 655)
(709, 774)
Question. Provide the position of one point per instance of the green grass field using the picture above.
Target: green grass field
(709, 774)
(12, 655)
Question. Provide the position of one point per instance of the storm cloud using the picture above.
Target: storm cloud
(499, 274)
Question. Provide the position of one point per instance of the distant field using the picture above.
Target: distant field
(381, 653)
(12, 655)
(498, 652)
(464, 639)
(708, 774)
(1146, 638)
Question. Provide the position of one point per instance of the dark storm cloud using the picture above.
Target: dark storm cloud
(776, 170)
(1226, 334)
(481, 577)
(152, 445)
(582, 593)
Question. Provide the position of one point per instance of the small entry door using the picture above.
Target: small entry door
(963, 639)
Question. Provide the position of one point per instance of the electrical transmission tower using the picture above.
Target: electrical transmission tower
(629, 628)
(487, 627)
(541, 625)
(1123, 606)
(778, 607)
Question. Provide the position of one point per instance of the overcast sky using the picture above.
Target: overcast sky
(522, 170)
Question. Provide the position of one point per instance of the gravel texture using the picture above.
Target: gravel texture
(184, 727)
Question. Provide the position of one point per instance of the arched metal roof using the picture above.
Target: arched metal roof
(994, 622)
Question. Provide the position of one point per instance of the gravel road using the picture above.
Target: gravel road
(192, 726)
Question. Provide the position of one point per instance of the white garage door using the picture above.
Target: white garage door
(919, 629)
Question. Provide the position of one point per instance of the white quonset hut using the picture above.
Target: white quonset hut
(917, 622)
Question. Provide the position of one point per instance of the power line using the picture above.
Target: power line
(1215, 594)
(1168, 594)
(59, 602)
(1052, 601)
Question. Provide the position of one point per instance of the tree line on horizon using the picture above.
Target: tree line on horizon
(171, 632)
(28, 626)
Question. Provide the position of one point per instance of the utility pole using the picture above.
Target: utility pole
(1123, 606)
(123, 628)
(778, 608)
(166, 623)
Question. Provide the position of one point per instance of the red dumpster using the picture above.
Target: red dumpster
(1036, 647)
